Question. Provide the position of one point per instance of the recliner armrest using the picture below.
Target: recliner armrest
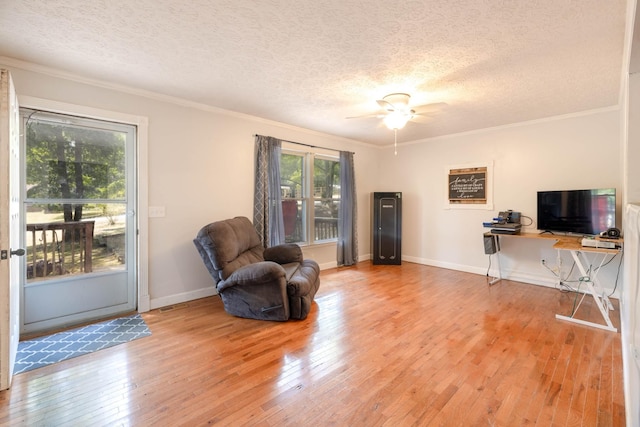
(259, 273)
(303, 280)
(284, 254)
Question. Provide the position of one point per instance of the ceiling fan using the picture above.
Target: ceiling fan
(397, 112)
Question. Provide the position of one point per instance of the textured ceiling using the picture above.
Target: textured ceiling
(312, 63)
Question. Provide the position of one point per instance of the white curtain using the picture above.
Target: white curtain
(347, 214)
(267, 211)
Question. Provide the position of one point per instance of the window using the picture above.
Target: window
(310, 185)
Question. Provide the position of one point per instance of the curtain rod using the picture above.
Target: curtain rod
(306, 145)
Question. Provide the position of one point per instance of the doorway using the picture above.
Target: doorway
(78, 219)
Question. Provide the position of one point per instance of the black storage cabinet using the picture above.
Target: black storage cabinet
(387, 228)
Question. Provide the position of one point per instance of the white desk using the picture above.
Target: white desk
(579, 255)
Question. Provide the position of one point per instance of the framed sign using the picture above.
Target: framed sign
(469, 186)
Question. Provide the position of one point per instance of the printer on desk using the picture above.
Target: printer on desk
(507, 222)
(597, 242)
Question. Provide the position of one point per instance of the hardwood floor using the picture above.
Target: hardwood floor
(383, 346)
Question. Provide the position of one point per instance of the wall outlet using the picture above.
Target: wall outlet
(636, 353)
(156, 211)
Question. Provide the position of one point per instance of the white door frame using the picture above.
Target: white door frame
(142, 124)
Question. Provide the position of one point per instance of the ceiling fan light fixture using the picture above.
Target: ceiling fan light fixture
(397, 119)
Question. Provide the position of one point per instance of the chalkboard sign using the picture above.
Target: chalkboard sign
(468, 185)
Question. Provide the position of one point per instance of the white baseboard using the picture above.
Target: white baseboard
(447, 265)
(516, 276)
(507, 275)
(328, 265)
(183, 297)
(334, 264)
(153, 303)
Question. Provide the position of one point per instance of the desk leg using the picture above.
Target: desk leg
(594, 289)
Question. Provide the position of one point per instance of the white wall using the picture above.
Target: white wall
(200, 169)
(571, 152)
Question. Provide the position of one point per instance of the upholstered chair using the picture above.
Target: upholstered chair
(257, 283)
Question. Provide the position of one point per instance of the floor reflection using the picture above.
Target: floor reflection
(325, 351)
(101, 383)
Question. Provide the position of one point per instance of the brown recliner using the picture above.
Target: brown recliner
(268, 284)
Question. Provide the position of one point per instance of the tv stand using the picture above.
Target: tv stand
(573, 244)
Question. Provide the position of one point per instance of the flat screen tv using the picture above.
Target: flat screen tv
(577, 211)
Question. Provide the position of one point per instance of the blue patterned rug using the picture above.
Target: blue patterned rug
(65, 345)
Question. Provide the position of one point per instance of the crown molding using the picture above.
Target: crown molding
(612, 108)
(53, 72)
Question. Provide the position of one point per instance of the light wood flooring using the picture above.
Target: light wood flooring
(408, 345)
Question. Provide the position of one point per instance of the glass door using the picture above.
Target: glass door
(79, 219)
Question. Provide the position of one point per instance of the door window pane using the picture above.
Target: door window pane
(65, 161)
(76, 195)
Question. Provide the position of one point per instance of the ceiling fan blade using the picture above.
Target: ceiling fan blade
(429, 108)
(365, 116)
(386, 105)
(421, 118)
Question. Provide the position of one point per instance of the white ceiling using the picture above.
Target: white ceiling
(312, 63)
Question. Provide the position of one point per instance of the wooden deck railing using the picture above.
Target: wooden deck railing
(59, 248)
(324, 229)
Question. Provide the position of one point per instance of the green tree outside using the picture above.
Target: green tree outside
(71, 162)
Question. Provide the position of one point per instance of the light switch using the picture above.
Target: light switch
(156, 211)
